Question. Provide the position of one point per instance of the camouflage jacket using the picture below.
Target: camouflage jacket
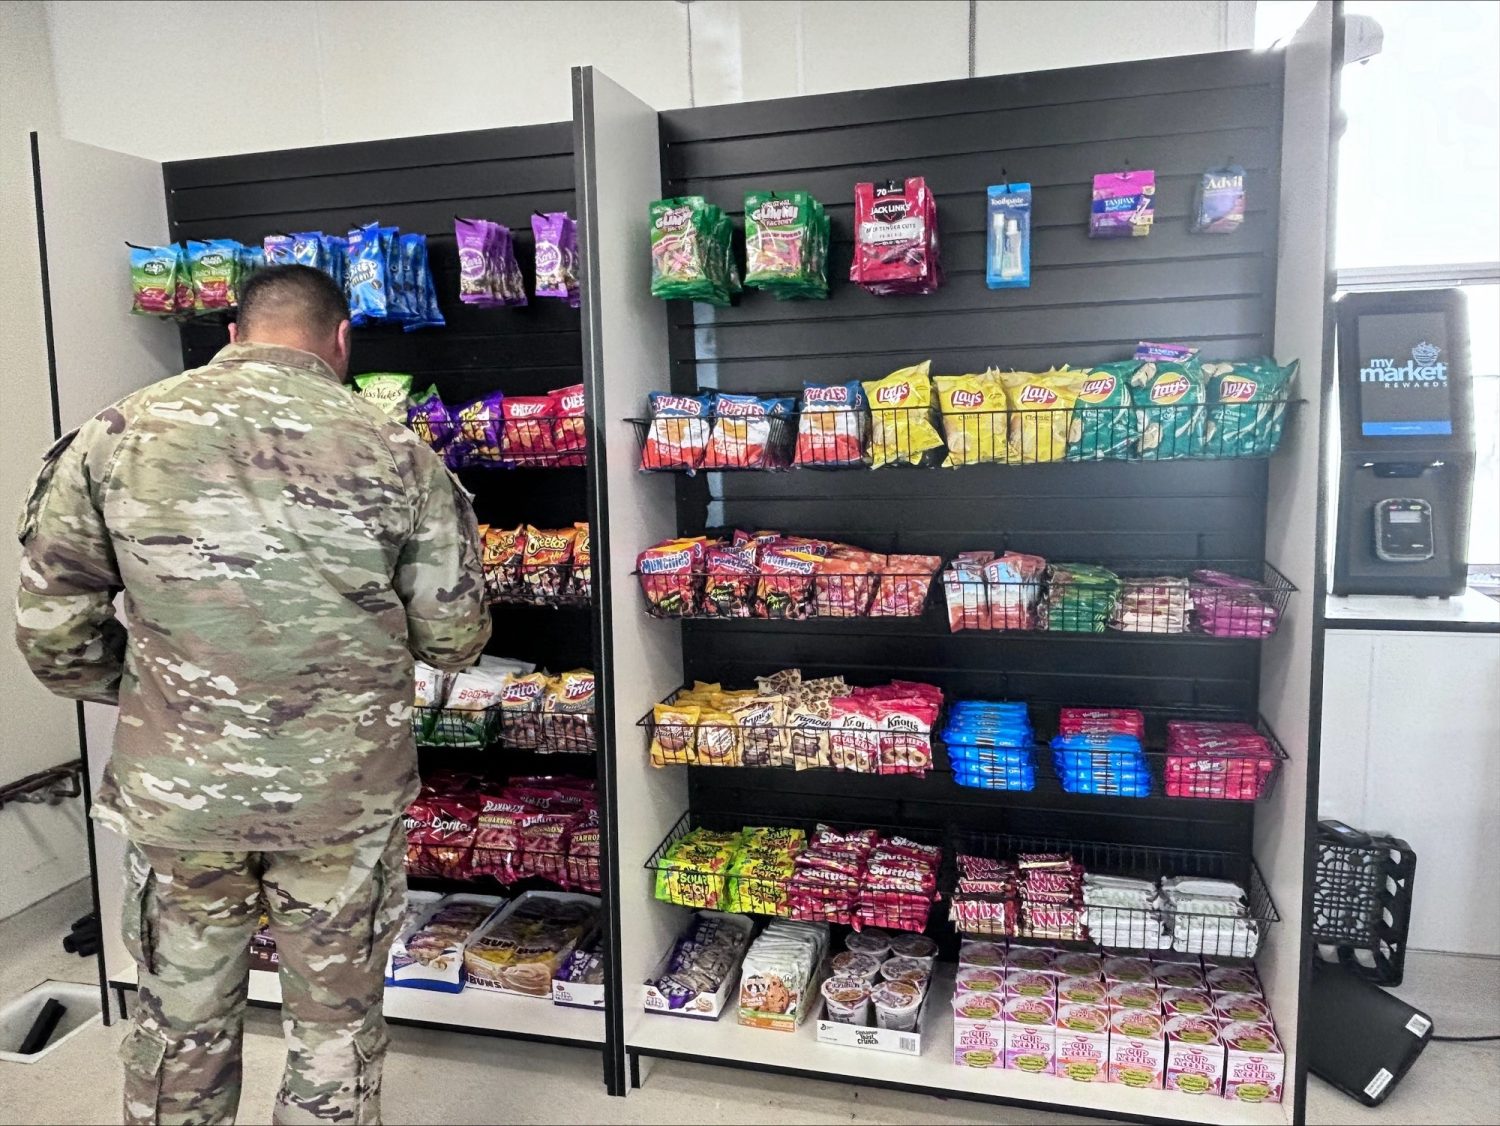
(284, 551)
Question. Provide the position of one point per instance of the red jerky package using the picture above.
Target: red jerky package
(569, 437)
(895, 238)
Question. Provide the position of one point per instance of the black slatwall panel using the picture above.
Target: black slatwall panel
(1089, 301)
(420, 184)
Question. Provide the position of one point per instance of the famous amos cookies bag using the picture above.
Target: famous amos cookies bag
(901, 414)
(974, 418)
(1041, 412)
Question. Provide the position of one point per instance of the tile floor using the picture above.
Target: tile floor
(437, 1077)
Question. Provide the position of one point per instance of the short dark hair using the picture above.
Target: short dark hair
(293, 293)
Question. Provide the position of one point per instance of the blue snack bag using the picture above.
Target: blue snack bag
(307, 249)
(1008, 242)
(418, 276)
(336, 260)
(277, 250)
(369, 282)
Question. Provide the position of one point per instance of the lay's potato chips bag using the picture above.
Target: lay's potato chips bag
(901, 414)
(1169, 400)
(1041, 411)
(974, 418)
(1104, 425)
(1247, 406)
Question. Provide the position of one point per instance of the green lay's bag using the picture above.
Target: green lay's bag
(1104, 425)
(387, 390)
(1169, 400)
(1247, 406)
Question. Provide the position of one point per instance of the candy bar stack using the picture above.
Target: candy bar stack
(829, 876)
(990, 745)
(900, 885)
(1227, 605)
(1098, 751)
(1152, 605)
(1051, 894)
(1080, 598)
(984, 901)
(1218, 761)
(1209, 917)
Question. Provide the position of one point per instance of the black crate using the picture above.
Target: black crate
(1362, 900)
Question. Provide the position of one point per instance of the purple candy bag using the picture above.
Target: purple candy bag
(428, 416)
(475, 286)
(556, 255)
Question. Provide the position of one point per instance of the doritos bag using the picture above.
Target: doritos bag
(901, 431)
(1041, 412)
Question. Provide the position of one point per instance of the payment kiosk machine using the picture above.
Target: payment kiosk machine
(1406, 458)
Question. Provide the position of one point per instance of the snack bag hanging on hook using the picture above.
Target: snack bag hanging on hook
(1124, 204)
(369, 280)
(895, 238)
(154, 280)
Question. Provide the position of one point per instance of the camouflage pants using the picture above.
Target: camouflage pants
(189, 917)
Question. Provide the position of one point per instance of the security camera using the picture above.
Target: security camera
(1363, 39)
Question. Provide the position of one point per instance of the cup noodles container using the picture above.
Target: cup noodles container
(1081, 991)
(1031, 1048)
(916, 946)
(1082, 1051)
(1233, 981)
(1137, 1052)
(1254, 1063)
(1029, 983)
(985, 955)
(1127, 969)
(979, 1043)
(986, 1006)
(1195, 1057)
(978, 980)
(1028, 1010)
(1035, 958)
(1176, 976)
(1187, 1003)
(1242, 1008)
(1071, 963)
(1133, 995)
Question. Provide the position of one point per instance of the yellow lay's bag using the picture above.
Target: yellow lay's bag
(901, 413)
(974, 416)
(1041, 410)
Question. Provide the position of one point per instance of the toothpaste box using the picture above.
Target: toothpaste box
(1195, 1057)
(1137, 1052)
(1254, 1065)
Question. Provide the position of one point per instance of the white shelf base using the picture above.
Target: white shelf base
(800, 1052)
(473, 1010)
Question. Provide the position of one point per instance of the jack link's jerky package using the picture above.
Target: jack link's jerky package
(154, 279)
(1247, 406)
(556, 237)
(1124, 204)
(895, 238)
(369, 278)
(1104, 425)
(1219, 204)
(1169, 402)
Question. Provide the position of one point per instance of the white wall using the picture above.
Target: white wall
(43, 846)
(322, 71)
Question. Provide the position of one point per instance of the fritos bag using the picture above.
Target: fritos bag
(974, 418)
(901, 429)
(1041, 412)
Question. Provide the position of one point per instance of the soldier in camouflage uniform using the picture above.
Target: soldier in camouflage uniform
(284, 551)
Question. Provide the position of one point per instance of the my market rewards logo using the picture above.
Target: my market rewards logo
(1423, 369)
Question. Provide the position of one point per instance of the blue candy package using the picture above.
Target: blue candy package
(1008, 249)
(1097, 741)
(307, 249)
(277, 250)
(336, 260)
(1021, 779)
(369, 282)
(417, 276)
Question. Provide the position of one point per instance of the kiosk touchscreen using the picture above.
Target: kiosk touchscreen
(1406, 462)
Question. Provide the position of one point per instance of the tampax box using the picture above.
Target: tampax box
(1082, 1043)
(1195, 1057)
(1137, 1052)
(1254, 1065)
